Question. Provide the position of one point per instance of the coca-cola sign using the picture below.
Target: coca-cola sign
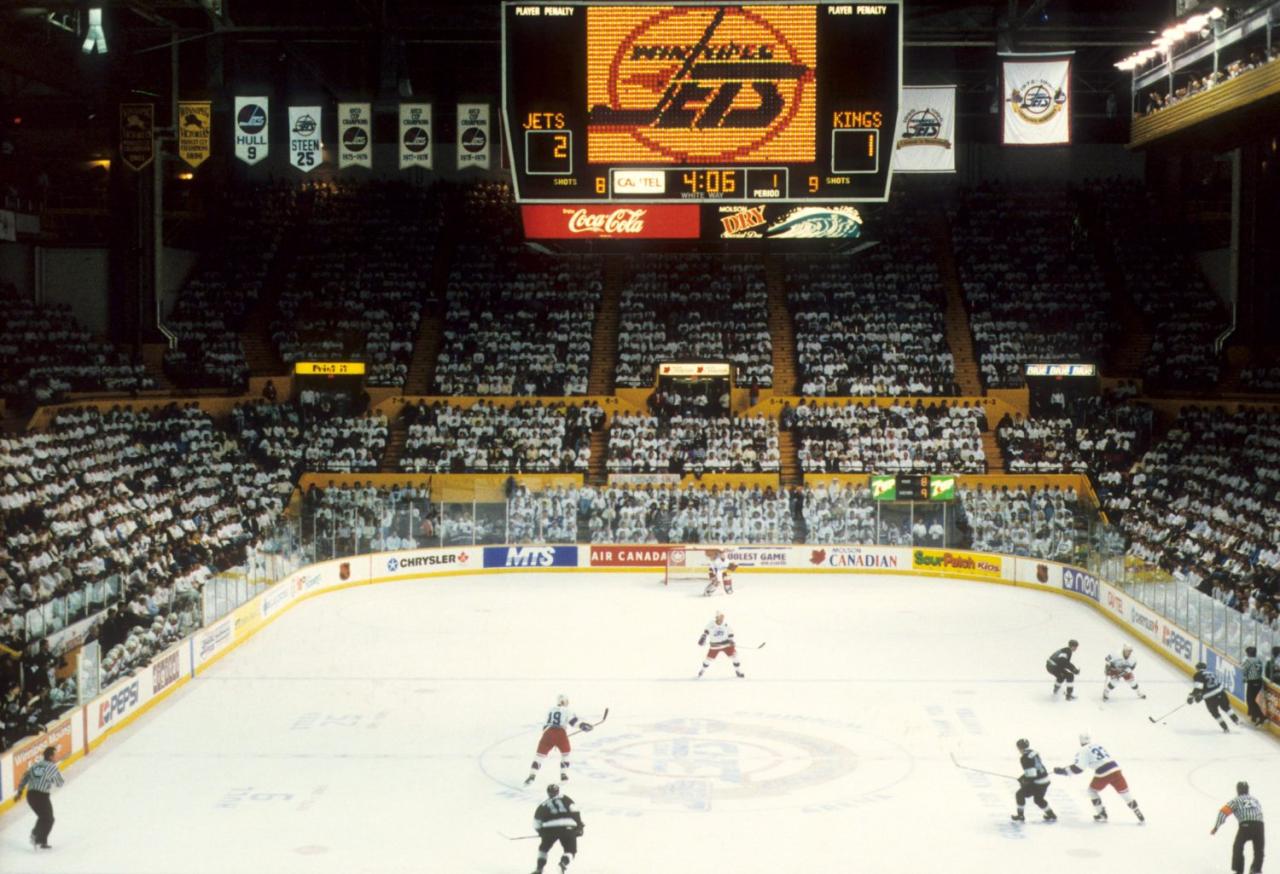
(607, 221)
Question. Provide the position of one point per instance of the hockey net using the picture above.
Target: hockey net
(689, 564)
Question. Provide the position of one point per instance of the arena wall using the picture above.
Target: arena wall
(82, 731)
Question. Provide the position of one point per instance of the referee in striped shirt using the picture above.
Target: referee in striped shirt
(1248, 813)
(39, 779)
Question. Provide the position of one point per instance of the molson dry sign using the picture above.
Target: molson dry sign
(701, 85)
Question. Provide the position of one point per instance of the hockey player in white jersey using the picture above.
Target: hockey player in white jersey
(718, 569)
(1094, 757)
(555, 734)
(718, 637)
(1121, 668)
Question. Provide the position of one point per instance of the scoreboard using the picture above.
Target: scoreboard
(680, 102)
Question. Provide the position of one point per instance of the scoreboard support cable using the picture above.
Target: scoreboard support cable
(675, 102)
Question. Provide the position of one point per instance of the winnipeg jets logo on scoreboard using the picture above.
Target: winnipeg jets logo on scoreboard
(690, 84)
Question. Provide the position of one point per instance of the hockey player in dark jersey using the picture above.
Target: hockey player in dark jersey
(1033, 783)
(1210, 690)
(556, 819)
(1063, 671)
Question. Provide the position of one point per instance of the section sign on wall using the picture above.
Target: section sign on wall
(473, 136)
(415, 135)
(252, 129)
(304, 138)
(354, 135)
(1037, 99)
(926, 131)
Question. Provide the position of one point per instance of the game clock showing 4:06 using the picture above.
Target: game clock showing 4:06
(652, 103)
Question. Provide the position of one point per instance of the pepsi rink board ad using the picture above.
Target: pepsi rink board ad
(748, 105)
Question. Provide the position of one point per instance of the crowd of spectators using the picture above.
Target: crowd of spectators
(298, 436)
(141, 506)
(1045, 523)
(1261, 379)
(872, 324)
(1094, 435)
(1200, 82)
(359, 278)
(687, 306)
(1032, 285)
(45, 353)
(487, 438)
(855, 437)
(228, 280)
(1181, 310)
(1202, 503)
(693, 444)
(367, 518)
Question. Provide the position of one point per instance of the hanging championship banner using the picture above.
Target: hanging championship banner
(354, 135)
(304, 138)
(926, 131)
(252, 129)
(1036, 96)
(473, 135)
(415, 135)
(137, 134)
(195, 119)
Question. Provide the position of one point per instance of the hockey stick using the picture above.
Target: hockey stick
(1155, 719)
(956, 762)
(519, 837)
(594, 724)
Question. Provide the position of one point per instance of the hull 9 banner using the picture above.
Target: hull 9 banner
(1037, 100)
(926, 131)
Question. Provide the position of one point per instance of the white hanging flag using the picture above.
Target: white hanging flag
(305, 148)
(473, 135)
(1036, 94)
(415, 135)
(926, 131)
(252, 128)
(355, 136)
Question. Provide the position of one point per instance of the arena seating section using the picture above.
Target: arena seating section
(139, 508)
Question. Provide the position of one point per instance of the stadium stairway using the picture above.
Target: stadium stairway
(426, 346)
(604, 336)
(259, 349)
(397, 433)
(991, 449)
(790, 473)
(1127, 352)
(597, 472)
(153, 361)
(956, 316)
(782, 332)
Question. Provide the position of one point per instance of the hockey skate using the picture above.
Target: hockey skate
(1100, 816)
(528, 781)
(1071, 695)
(1050, 816)
(1018, 817)
(740, 674)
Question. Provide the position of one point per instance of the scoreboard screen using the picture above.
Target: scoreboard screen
(683, 102)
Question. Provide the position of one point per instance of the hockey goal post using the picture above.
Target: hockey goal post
(689, 564)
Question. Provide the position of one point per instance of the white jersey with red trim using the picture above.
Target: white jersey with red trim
(1094, 757)
(560, 717)
(719, 636)
(1120, 666)
(717, 568)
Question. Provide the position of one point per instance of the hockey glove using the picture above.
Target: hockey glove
(1191, 699)
(585, 726)
(577, 832)
(702, 640)
(1062, 772)
(733, 567)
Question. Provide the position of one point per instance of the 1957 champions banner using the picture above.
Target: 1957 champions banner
(701, 84)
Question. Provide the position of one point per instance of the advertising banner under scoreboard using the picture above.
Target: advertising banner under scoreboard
(1037, 100)
(473, 136)
(926, 131)
(609, 221)
(304, 138)
(355, 135)
(415, 135)
(253, 129)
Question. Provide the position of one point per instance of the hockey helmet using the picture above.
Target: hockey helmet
(1125, 650)
(1242, 788)
(562, 701)
(1201, 666)
(719, 615)
(1023, 744)
(1084, 738)
(1074, 644)
(553, 789)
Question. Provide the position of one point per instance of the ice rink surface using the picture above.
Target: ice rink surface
(389, 728)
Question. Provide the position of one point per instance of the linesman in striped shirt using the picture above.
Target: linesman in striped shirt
(1248, 813)
(42, 776)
